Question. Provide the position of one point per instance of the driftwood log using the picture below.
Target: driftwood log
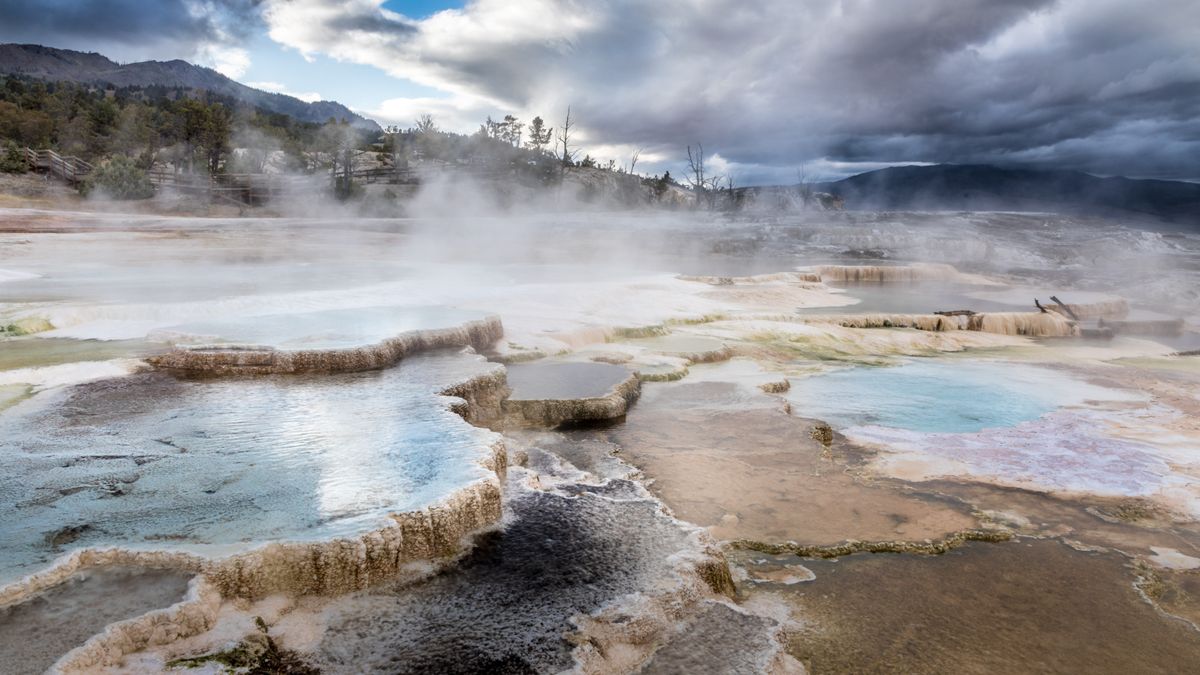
(1067, 310)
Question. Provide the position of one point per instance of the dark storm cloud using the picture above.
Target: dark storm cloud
(127, 29)
(1101, 85)
(1108, 86)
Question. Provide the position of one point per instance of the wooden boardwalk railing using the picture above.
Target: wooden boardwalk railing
(70, 169)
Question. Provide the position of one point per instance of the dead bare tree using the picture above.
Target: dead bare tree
(634, 160)
(564, 139)
(704, 185)
(804, 188)
(696, 168)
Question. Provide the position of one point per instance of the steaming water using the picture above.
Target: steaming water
(1047, 250)
(914, 298)
(199, 260)
(674, 345)
(333, 329)
(933, 396)
(217, 465)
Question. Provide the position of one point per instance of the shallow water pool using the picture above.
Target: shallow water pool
(939, 396)
(922, 297)
(562, 381)
(219, 465)
(36, 632)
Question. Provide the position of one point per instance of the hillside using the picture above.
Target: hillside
(983, 188)
(48, 63)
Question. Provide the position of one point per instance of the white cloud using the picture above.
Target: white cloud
(452, 113)
(231, 62)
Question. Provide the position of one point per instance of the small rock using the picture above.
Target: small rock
(822, 433)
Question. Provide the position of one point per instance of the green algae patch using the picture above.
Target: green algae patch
(26, 326)
(38, 351)
(638, 332)
(690, 348)
(509, 358)
(1174, 363)
(673, 375)
(696, 321)
(12, 394)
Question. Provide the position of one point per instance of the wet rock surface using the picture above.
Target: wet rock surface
(1014, 607)
(506, 606)
(722, 639)
(1034, 324)
(729, 458)
(36, 632)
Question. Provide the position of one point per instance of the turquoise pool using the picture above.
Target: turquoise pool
(950, 396)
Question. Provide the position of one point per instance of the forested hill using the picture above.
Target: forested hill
(48, 63)
(990, 188)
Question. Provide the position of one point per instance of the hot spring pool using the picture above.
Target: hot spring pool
(561, 381)
(220, 465)
(939, 396)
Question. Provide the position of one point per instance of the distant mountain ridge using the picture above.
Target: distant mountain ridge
(976, 187)
(49, 63)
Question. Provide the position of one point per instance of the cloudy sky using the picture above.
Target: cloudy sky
(838, 87)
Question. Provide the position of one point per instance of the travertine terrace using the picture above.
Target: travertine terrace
(652, 458)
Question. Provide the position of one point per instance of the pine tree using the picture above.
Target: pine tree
(539, 135)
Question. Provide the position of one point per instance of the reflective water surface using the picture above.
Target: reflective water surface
(154, 461)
